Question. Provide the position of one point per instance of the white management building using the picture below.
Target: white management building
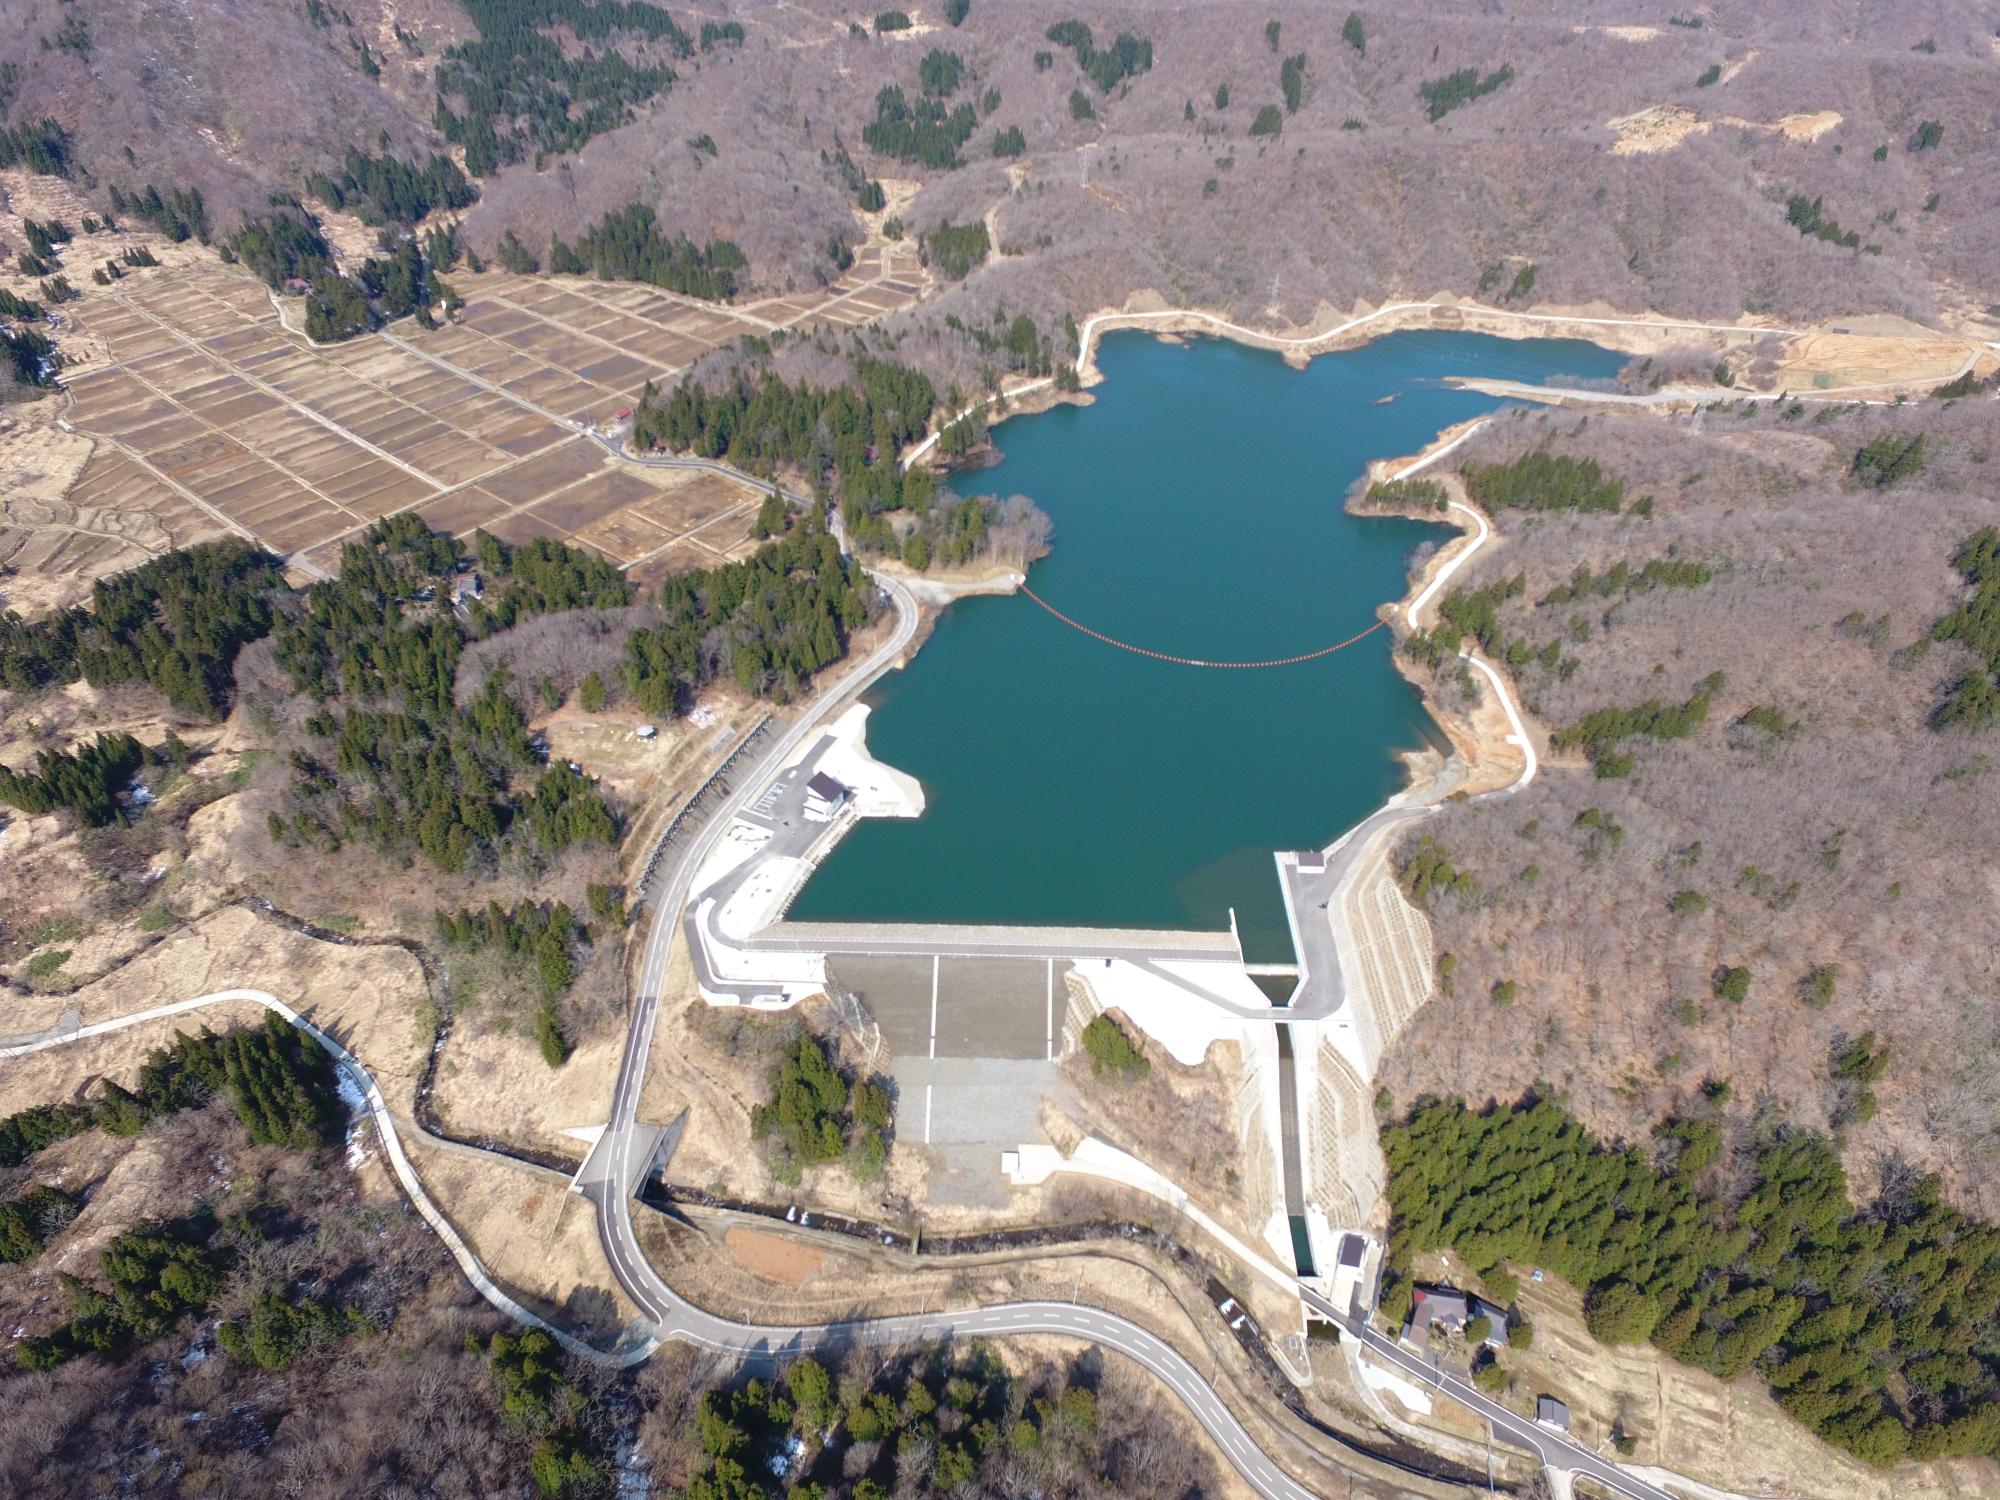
(824, 798)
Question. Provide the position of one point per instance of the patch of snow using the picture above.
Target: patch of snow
(351, 1092)
(780, 1463)
(356, 1100)
(635, 1475)
(1412, 1396)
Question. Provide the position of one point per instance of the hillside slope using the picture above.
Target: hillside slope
(1637, 164)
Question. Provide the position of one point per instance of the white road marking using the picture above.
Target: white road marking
(936, 960)
(927, 1114)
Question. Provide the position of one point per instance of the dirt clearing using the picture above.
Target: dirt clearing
(1872, 351)
(1665, 126)
(769, 1256)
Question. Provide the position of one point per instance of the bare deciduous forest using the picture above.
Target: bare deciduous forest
(1756, 868)
(334, 1350)
(1812, 862)
(1516, 194)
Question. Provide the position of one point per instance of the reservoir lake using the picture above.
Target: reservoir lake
(1198, 511)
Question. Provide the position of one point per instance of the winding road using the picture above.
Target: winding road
(670, 1316)
(674, 1317)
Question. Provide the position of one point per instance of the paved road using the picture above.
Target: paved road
(1554, 1449)
(791, 835)
(673, 1317)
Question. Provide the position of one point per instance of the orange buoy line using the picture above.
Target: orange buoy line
(1189, 661)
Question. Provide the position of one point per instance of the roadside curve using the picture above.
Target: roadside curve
(377, 1109)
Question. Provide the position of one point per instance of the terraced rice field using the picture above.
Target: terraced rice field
(211, 414)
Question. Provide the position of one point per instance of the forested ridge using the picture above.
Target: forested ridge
(517, 91)
(1126, 57)
(628, 246)
(847, 439)
(816, 1114)
(394, 761)
(1475, 614)
(1877, 1326)
(928, 132)
(175, 622)
(151, 1278)
(1455, 90)
(180, 214)
(1974, 700)
(947, 1421)
(544, 934)
(279, 1080)
(392, 754)
(387, 190)
(1602, 733)
(1783, 860)
(978, 528)
(1545, 481)
(769, 622)
(29, 1217)
(957, 250)
(86, 779)
(286, 246)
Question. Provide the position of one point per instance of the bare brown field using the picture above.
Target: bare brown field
(770, 1256)
(68, 517)
(368, 997)
(208, 413)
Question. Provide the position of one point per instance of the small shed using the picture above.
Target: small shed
(1496, 1318)
(1552, 1413)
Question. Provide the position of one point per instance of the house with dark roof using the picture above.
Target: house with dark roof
(1452, 1310)
(1434, 1305)
(1496, 1317)
(1552, 1413)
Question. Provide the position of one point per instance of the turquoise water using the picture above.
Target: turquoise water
(1197, 508)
